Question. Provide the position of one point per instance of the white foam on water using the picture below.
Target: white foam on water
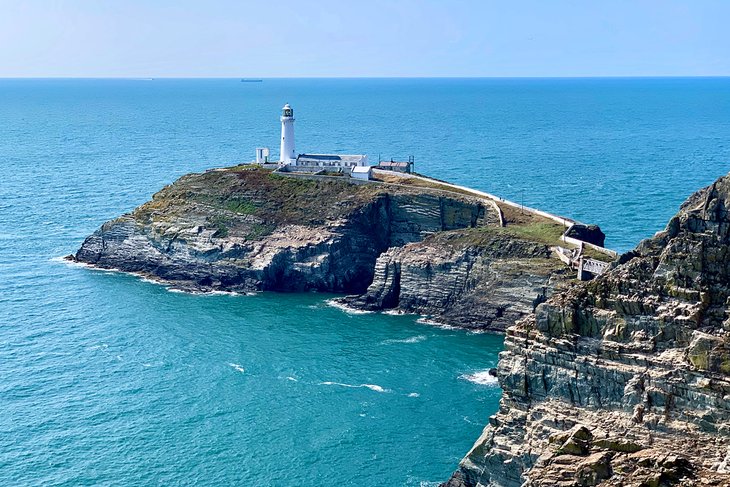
(216, 292)
(345, 308)
(226, 293)
(372, 387)
(482, 377)
(414, 394)
(112, 270)
(394, 312)
(425, 321)
(72, 263)
(170, 287)
(192, 292)
(237, 367)
(293, 379)
(147, 365)
(63, 260)
(413, 339)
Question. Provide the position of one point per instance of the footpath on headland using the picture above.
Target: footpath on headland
(565, 221)
(562, 220)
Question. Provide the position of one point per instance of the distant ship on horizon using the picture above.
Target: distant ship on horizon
(251, 80)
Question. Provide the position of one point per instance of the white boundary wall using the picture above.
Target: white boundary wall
(566, 222)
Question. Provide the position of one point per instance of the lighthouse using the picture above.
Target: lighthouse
(287, 153)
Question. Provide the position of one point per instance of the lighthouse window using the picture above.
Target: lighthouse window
(288, 112)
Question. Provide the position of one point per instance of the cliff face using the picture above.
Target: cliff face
(249, 229)
(471, 278)
(623, 381)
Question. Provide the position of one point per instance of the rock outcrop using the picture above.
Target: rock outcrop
(623, 381)
(485, 283)
(587, 233)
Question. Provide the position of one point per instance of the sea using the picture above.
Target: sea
(107, 379)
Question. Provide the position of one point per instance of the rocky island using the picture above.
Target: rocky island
(398, 243)
(620, 381)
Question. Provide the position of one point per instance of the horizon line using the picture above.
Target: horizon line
(661, 76)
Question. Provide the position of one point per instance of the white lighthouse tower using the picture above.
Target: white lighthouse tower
(287, 152)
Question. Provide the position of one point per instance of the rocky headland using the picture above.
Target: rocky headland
(625, 380)
(394, 244)
(621, 381)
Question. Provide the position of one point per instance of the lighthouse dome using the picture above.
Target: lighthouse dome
(287, 111)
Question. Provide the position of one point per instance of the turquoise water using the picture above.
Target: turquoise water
(109, 380)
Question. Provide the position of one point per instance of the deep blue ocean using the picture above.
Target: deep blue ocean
(109, 380)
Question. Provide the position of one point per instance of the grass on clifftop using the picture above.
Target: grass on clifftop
(420, 183)
(540, 233)
(256, 195)
(548, 233)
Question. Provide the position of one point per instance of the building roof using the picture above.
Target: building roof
(362, 169)
(342, 158)
(393, 164)
(339, 160)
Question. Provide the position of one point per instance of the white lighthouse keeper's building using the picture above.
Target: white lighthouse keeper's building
(287, 152)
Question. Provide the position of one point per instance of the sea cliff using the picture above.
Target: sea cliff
(417, 248)
(623, 381)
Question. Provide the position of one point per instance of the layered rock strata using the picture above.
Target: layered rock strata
(486, 284)
(623, 381)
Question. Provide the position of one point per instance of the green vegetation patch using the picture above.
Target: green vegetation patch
(293, 184)
(540, 232)
(259, 230)
(420, 183)
(250, 191)
(241, 206)
(221, 225)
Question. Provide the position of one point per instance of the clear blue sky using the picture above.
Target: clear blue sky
(287, 38)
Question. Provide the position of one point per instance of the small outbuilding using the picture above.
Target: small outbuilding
(331, 160)
(362, 172)
(397, 166)
(262, 155)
